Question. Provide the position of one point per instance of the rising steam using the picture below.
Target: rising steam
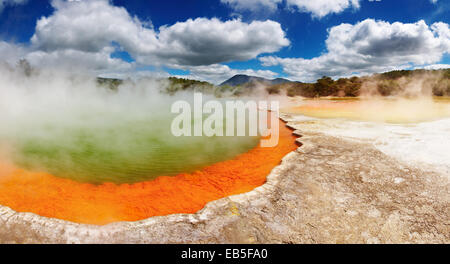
(69, 125)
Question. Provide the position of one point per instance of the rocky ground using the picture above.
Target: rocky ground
(330, 190)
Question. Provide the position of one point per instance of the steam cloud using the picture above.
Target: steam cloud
(56, 121)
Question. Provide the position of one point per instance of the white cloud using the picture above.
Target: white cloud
(207, 41)
(11, 53)
(83, 35)
(318, 8)
(253, 5)
(103, 65)
(370, 46)
(135, 75)
(321, 8)
(434, 67)
(75, 60)
(91, 26)
(4, 3)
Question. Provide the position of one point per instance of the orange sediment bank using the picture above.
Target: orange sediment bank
(50, 196)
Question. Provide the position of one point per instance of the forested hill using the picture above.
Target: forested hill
(404, 82)
(391, 83)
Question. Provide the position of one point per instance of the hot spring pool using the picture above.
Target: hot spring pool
(76, 130)
(73, 151)
(69, 197)
(118, 149)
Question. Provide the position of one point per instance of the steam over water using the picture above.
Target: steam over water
(69, 127)
(416, 132)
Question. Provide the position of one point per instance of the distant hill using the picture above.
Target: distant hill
(393, 83)
(242, 79)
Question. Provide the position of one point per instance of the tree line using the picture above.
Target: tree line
(385, 84)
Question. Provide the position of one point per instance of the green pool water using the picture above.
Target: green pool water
(116, 148)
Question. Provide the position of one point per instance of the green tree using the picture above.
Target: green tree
(325, 87)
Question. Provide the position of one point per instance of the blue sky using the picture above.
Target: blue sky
(304, 45)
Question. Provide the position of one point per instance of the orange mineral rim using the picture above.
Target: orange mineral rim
(50, 196)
